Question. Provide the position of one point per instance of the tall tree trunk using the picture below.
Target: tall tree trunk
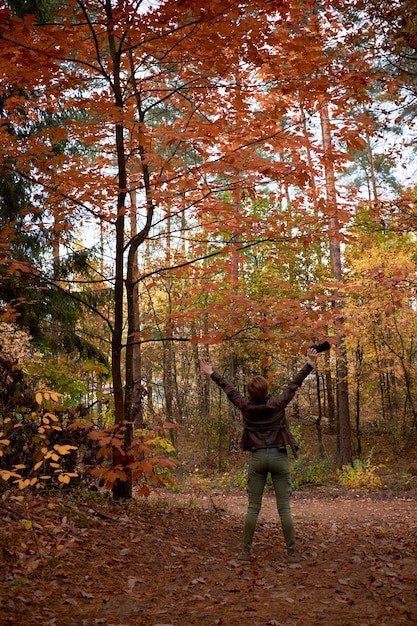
(329, 407)
(312, 179)
(358, 376)
(234, 415)
(167, 346)
(344, 442)
(100, 422)
(134, 388)
(205, 429)
(168, 374)
(56, 266)
(330, 404)
(372, 168)
(123, 402)
(120, 230)
(319, 418)
(121, 489)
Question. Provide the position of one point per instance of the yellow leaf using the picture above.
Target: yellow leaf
(52, 416)
(166, 445)
(54, 465)
(37, 465)
(5, 474)
(39, 398)
(64, 478)
(64, 449)
(28, 524)
(46, 395)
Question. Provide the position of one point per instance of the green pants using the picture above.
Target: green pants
(263, 462)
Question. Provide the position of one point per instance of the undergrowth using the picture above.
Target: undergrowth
(361, 475)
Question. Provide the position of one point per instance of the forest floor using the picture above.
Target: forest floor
(172, 561)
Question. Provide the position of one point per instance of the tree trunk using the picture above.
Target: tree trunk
(121, 489)
(344, 440)
(234, 425)
(381, 377)
(168, 351)
(319, 418)
(203, 399)
(372, 169)
(134, 390)
(344, 443)
(56, 265)
(330, 405)
(126, 405)
(358, 374)
(168, 376)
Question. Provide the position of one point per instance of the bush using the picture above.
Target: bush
(362, 475)
(306, 470)
(314, 472)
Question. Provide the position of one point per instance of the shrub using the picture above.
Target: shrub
(306, 470)
(314, 472)
(31, 454)
(144, 461)
(362, 475)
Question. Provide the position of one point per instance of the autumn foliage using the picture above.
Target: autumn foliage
(186, 166)
(220, 179)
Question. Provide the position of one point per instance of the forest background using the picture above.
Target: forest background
(216, 179)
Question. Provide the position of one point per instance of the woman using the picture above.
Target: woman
(266, 434)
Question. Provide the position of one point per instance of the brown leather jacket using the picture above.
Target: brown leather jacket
(265, 424)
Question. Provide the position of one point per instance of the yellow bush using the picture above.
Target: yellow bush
(362, 475)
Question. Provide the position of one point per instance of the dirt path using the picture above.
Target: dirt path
(172, 562)
(326, 506)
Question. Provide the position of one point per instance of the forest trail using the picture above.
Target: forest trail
(172, 562)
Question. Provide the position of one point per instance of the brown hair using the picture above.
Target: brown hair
(258, 388)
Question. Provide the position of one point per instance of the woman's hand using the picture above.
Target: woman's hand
(312, 355)
(206, 367)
